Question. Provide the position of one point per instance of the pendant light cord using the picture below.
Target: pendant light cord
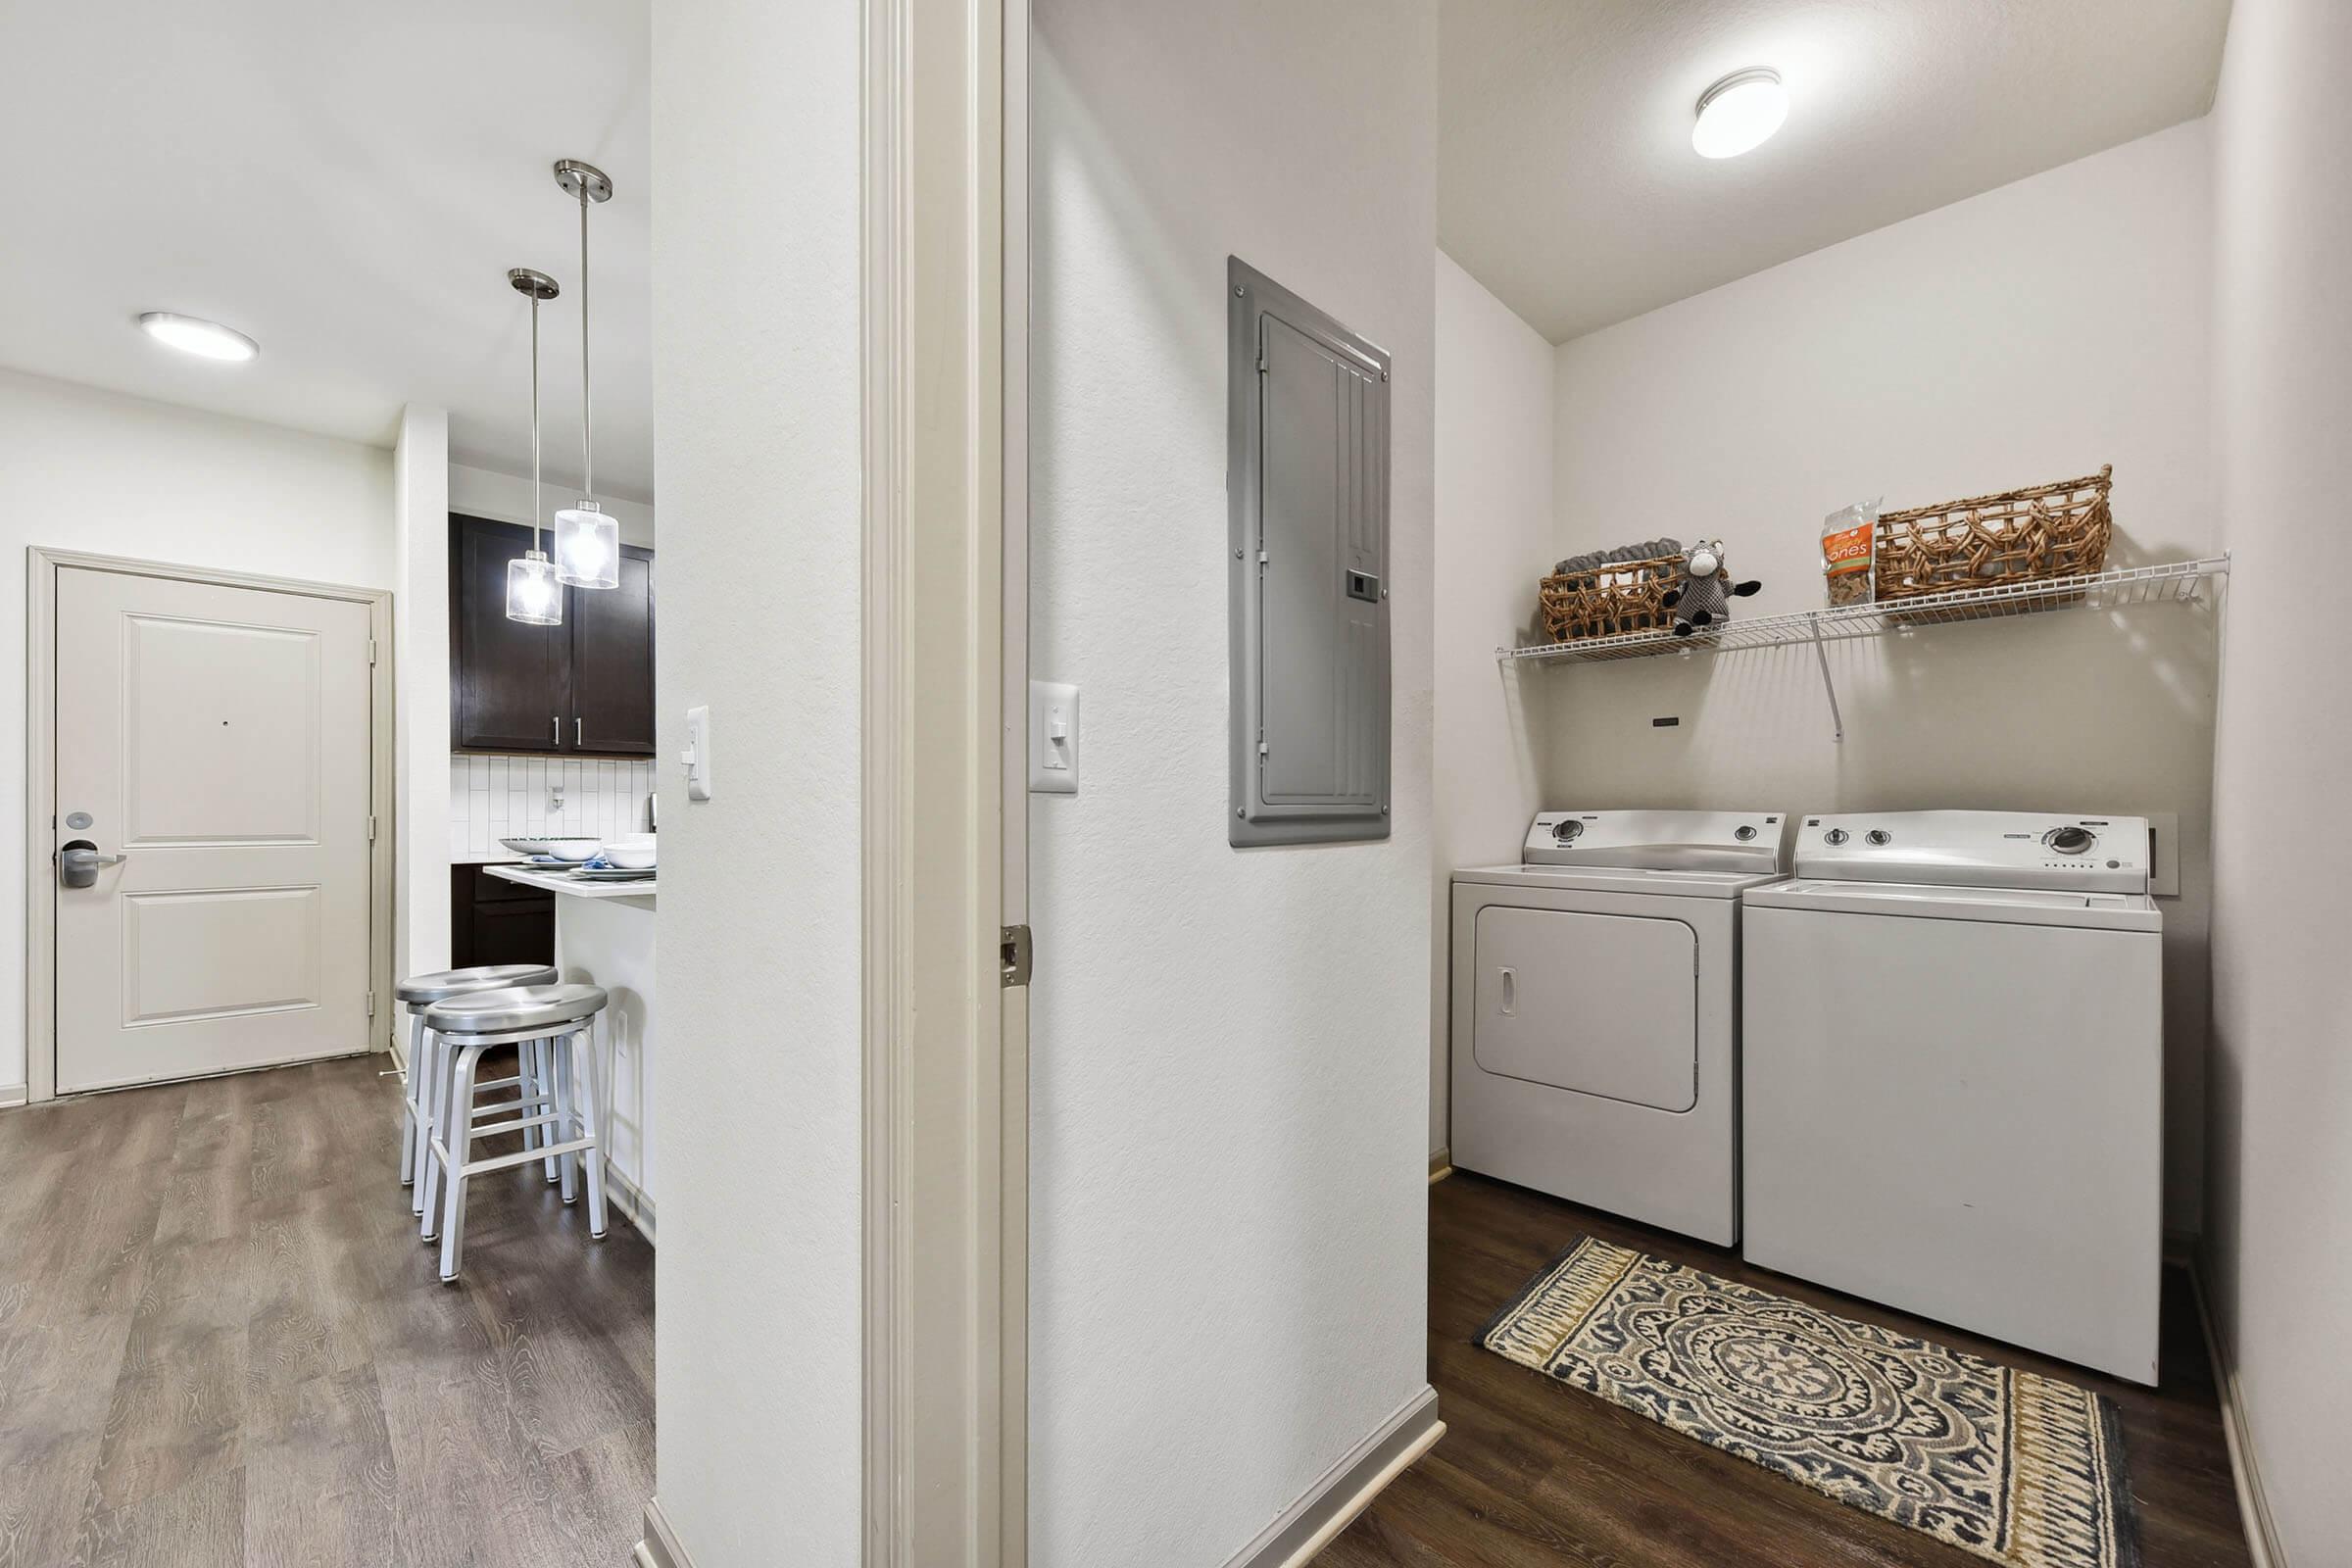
(587, 468)
(535, 423)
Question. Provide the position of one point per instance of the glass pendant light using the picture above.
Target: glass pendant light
(533, 595)
(587, 539)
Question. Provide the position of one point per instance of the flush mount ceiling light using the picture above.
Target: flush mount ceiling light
(587, 539)
(533, 596)
(1740, 113)
(193, 335)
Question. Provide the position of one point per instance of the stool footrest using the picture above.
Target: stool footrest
(485, 1130)
(483, 1167)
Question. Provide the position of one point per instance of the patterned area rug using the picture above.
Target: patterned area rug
(2017, 1468)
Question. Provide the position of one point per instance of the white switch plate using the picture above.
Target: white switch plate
(1053, 738)
(697, 756)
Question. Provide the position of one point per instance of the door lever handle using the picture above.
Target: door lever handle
(78, 865)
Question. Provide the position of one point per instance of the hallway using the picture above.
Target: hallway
(222, 1344)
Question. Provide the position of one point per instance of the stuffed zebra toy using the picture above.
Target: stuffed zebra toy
(1706, 591)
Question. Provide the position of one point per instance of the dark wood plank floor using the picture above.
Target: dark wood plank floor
(222, 1344)
(1532, 1473)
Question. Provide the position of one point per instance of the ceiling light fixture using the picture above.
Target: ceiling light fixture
(587, 538)
(533, 596)
(193, 335)
(1740, 113)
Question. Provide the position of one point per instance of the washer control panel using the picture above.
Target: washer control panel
(1976, 849)
(1659, 841)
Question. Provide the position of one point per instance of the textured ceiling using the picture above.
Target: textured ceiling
(1566, 183)
(347, 184)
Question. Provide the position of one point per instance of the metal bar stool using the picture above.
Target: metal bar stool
(563, 1018)
(530, 1081)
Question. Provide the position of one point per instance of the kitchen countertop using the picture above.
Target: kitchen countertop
(532, 876)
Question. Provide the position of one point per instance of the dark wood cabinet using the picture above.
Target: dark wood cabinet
(492, 921)
(612, 662)
(584, 688)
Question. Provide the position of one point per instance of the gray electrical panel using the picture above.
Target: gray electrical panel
(1307, 471)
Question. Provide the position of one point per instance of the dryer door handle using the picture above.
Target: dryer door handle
(1511, 991)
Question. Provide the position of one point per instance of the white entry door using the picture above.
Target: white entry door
(217, 740)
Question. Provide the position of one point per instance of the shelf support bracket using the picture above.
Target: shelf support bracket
(1836, 719)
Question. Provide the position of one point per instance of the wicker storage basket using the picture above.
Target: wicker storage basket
(1611, 599)
(2051, 530)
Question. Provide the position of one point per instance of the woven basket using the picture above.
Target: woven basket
(2051, 530)
(1612, 600)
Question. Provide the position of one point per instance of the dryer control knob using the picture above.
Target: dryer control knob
(1743, 833)
(1567, 832)
(1835, 835)
(1879, 835)
(2070, 840)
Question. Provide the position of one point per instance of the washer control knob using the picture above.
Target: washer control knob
(1567, 831)
(2070, 840)
(1835, 835)
(1743, 833)
(1879, 835)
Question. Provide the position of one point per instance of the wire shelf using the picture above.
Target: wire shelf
(2174, 582)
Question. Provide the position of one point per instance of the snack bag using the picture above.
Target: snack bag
(1849, 538)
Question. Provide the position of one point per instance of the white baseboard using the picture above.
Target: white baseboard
(1441, 1166)
(625, 1195)
(10, 1095)
(2262, 1536)
(659, 1548)
(1346, 1490)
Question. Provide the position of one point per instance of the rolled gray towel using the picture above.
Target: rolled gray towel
(1592, 560)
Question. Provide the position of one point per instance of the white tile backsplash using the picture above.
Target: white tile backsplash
(491, 797)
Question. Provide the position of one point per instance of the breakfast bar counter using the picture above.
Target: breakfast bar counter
(605, 937)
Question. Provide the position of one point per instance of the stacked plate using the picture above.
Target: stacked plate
(630, 860)
(569, 851)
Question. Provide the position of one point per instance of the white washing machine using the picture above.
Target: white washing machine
(1596, 1012)
(1954, 1075)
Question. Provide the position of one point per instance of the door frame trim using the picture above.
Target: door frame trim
(944, 291)
(41, 567)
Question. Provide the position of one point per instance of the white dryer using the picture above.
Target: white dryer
(1954, 1070)
(1596, 1012)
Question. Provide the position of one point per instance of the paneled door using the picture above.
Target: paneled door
(212, 748)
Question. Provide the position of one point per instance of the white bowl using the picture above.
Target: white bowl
(631, 854)
(575, 850)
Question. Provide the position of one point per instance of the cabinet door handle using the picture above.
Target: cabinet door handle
(557, 719)
(576, 739)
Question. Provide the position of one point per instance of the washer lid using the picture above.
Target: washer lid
(1976, 849)
(2098, 911)
(1658, 841)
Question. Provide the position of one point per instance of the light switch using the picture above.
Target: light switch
(1053, 738)
(697, 756)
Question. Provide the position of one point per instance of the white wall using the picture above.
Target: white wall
(507, 497)
(755, 396)
(1494, 538)
(1229, 1050)
(2280, 1242)
(420, 644)
(98, 472)
(2029, 334)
